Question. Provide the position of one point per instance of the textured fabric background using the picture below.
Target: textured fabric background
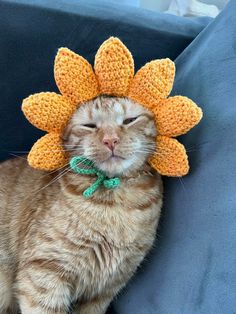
(192, 267)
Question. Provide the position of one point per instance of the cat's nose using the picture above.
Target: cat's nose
(110, 142)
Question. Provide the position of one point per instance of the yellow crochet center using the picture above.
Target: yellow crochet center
(113, 75)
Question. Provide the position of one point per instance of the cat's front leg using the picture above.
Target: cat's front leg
(98, 306)
(100, 303)
(5, 290)
(43, 289)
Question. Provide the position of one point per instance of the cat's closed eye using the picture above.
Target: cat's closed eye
(90, 125)
(129, 120)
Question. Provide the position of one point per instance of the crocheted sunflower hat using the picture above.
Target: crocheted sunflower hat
(113, 75)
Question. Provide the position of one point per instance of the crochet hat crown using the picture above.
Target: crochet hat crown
(113, 75)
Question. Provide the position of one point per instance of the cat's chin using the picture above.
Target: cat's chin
(115, 166)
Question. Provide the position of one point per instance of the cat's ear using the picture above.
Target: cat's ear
(114, 67)
(176, 115)
(152, 82)
(170, 158)
(48, 111)
(75, 77)
(48, 153)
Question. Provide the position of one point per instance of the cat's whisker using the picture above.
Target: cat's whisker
(46, 151)
(17, 156)
(61, 174)
(47, 173)
(81, 163)
(143, 151)
(196, 145)
(160, 154)
(34, 193)
(19, 151)
(192, 150)
(53, 171)
(182, 183)
(73, 145)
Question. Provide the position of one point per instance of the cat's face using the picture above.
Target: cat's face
(117, 134)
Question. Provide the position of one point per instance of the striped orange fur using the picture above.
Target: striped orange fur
(58, 248)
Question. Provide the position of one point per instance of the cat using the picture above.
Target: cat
(58, 248)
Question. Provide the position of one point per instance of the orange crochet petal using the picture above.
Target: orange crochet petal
(47, 153)
(74, 76)
(152, 82)
(48, 111)
(176, 115)
(114, 67)
(171, 158)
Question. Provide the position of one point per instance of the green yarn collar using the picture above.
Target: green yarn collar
(90, 170)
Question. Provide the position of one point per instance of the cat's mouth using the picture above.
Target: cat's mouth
(113, 165)
(114, 160)
(114, 157)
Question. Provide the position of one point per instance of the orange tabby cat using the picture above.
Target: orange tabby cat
(58, 248)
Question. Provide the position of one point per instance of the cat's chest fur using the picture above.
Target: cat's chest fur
(100, 241)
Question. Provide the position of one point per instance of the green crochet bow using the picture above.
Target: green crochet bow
(91, 169)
